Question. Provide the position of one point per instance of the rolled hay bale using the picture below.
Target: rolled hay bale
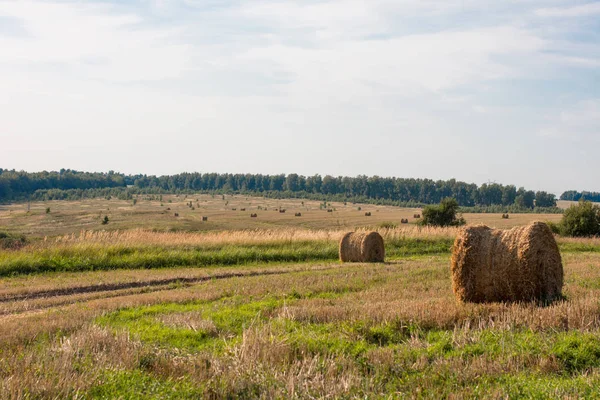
(362, 247)
(520, 264)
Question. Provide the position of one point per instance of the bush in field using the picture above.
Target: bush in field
(8, 241)
(554, 227)
(444, 214)
(582, 219)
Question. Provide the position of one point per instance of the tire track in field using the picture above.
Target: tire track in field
(92, 292)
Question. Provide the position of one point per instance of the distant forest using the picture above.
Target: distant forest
(70, 184)
(574, 195)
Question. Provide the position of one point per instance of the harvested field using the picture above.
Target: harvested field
(268, 311)
(68, 217)
(213, 333)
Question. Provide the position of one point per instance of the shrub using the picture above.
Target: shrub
(105, 220)
(442, 215)
(582, 219)
(554, 227)
(9, 241)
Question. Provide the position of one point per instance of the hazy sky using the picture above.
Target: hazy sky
(477, 90)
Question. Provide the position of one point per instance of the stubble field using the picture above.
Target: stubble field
(228, 213)
(157, 306)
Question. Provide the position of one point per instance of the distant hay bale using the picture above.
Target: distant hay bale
(204, 219)
(329, 210)
(368, 214)
(253, 215)
(417, 216)
(520, 264)
(404, 221)
(176, 214)
(282, 210)
(362, 247)
(242, 209)
(297, 214)
(505, 216)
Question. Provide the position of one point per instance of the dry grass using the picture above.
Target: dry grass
(68, 217)
(33, 294)
(141, 237)
(353, 331)
(293, 352)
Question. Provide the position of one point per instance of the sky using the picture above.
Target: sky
(476, 90)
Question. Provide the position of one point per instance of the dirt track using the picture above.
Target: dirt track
(21, 303)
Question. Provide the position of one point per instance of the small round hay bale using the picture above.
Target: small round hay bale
(362, 247)
(520, 264)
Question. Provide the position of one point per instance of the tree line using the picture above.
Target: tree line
(574, 195)
(20, 185)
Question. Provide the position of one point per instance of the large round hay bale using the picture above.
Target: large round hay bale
(362, 247)
(520, 264)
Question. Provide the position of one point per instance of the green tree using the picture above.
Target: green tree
(525, 198)
(582, 219)
(444, 214)
(544, 199)
(291, 183)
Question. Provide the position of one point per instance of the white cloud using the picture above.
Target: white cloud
(92, 41)
(274, 86)
(584, 10)
(407, 65)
